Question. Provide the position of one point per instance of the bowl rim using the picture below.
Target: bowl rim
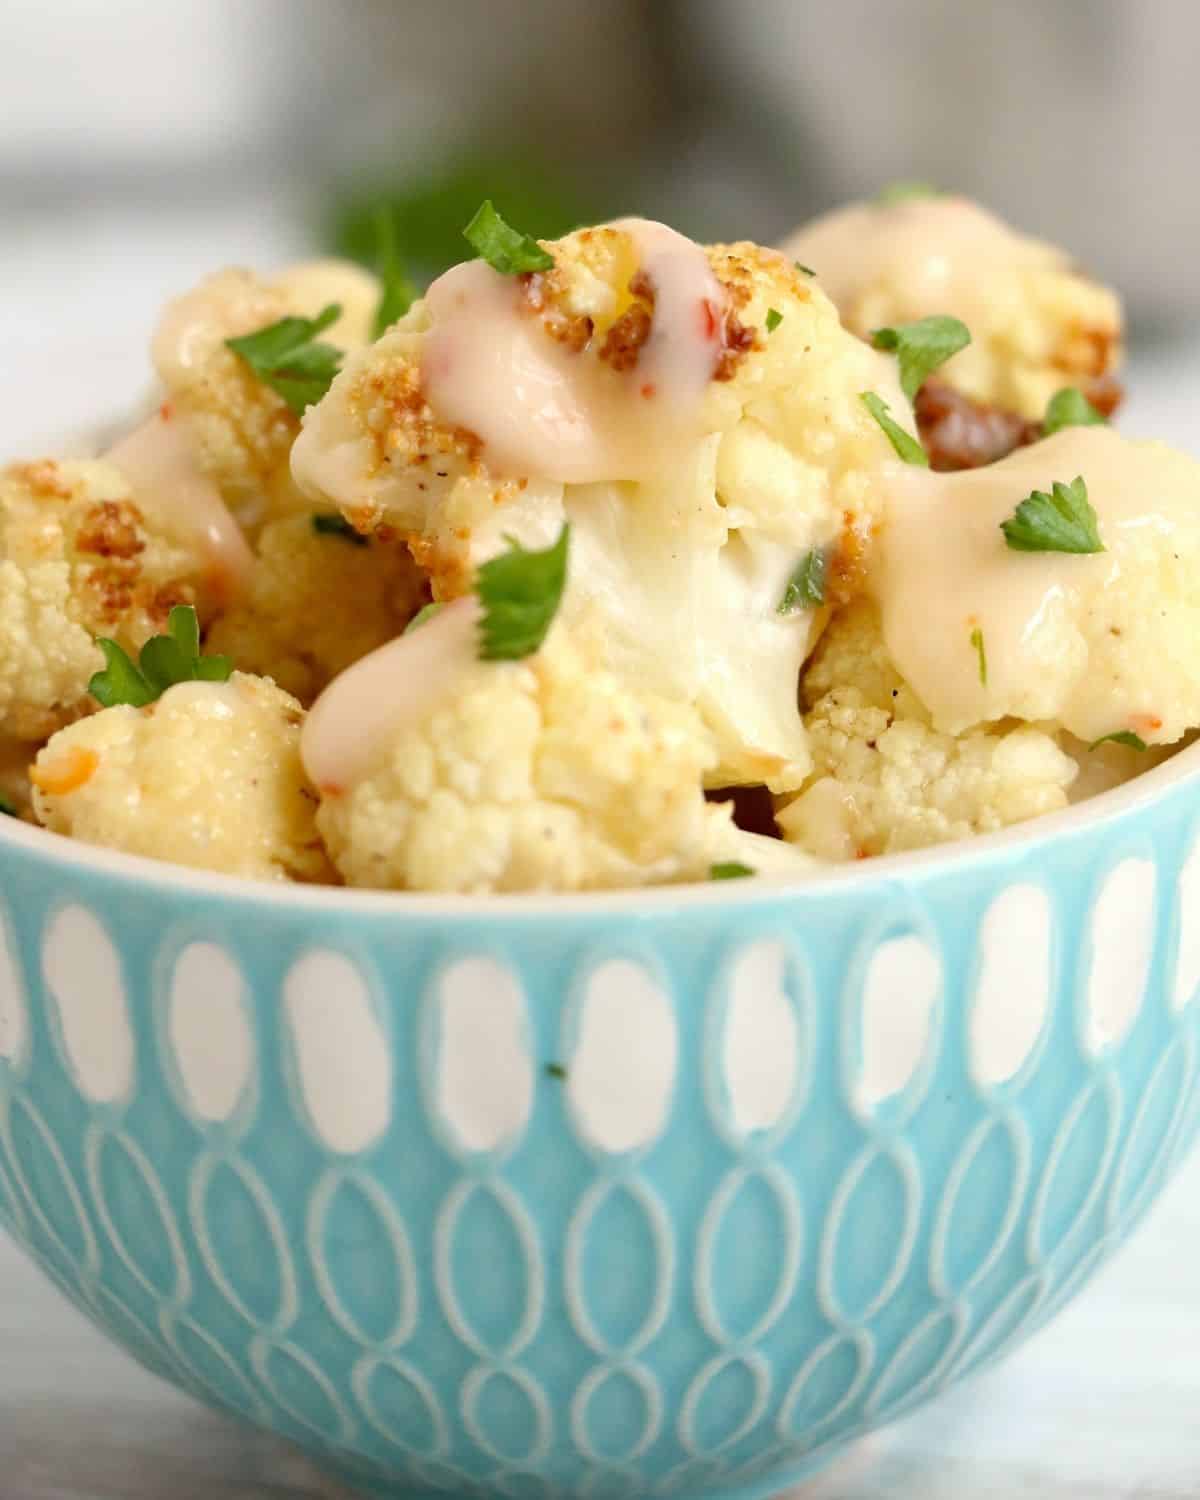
(768, 888)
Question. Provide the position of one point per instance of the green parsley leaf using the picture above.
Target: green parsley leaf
(904, 443)
(981, 653)
(1121, 737)
(900, 192)
(520, 592)
(806, 587)
(731, 870)
(287, 357)
(399, 293)
(335, 525)
(1070, 408)
(774, 318)
(505, 249)
(921, 347)
(803, 269)
(1061, 522)
(164, 661)
(555, 1070)
(425, 613)
(7, 810)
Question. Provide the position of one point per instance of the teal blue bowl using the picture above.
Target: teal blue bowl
(668, 1192)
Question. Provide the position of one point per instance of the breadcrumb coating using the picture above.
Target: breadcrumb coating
(78, 558)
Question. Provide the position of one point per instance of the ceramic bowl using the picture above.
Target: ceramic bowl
(662, 1192)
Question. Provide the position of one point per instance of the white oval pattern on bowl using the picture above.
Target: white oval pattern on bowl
(342, 1055)
(762, 1039)
(209, 1034)
(1187, 960)
(484, 1074)
(13, 1024)
(1122, 941)
(901, 987)
(83, 974)
(620, 1094)
(1012, 993)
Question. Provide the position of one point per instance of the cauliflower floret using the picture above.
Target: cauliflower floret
(547, 773)
(1037, 324)
(240, 431)
(317, 601)
(885, 780)
(208, 776)
(691, 498)
(1095, 643)
(78, 558)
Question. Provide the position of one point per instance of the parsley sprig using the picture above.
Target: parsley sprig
(1062, 521)
(904, 443)
(423, 616)
(1070, 408)
(520, 592)
(773, 319)
(288, 357)
(981, 653)
(729, 870)
(921, 347)
(7, 810)
(504, 248)
(806, 587)
(902, 191)
(399, 293)
(1120, 737)
(164, 661)
(335, 525)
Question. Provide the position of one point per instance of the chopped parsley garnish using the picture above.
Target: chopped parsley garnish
(803, 269)
(555, 1070)
(289, 358)
(399, 293)
(1070, 408)
(731, 870)
(806, 587)
(7, 810)
(904, 443)
(1120, 737)
(504, 248)
(338, 526)
(520, 592)
(981, 653)
(424, 614)
(164, 661)
(1060, 522)
(774, 318)
(921, 347)
(900, 192)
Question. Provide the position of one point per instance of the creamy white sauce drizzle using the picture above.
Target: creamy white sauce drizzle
(384, 693)
(934, 255)
(543, 410)
(944, 569)
(156, 460)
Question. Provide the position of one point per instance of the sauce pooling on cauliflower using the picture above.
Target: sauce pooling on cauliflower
(1098, 643)
(552, 406)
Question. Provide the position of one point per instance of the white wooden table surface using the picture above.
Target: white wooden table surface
(1103, 1405)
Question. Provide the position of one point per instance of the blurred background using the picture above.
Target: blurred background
(142, 143)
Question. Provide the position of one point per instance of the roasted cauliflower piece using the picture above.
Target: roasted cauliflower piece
(694, 414)
(1037, 322)
(79, 557)
(209, 776)
(240, 431)
(1100, 641)
(320, 596)
(885, 780)
(549, 773)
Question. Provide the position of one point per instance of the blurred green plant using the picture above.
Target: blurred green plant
(429, 210)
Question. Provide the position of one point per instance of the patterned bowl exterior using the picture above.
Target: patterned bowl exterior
(668, 1193)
